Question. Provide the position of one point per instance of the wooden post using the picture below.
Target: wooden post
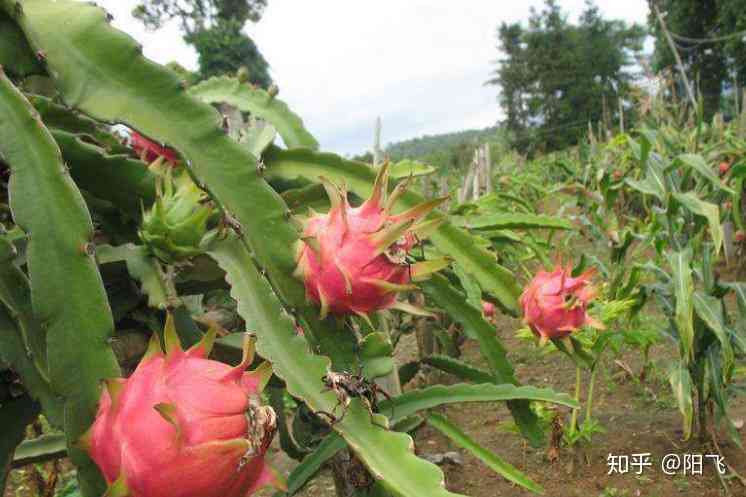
(377, 143)
(475, 165)
(487, 169)
(679, 63)
(466, 189)
(621, 115)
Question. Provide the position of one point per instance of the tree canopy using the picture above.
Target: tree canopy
(215, 29)
(709, 36)
(555, 76)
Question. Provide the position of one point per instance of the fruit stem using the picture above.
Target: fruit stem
(574, 419)
(589, 400)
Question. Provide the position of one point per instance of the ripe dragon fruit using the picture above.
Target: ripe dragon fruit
(555, 304)
(353, 259)
(184, 426)
(150, 151)
(488, 309)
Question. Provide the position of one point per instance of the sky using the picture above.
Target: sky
(418, 64)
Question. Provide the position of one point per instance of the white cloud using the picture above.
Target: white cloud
(418, 64)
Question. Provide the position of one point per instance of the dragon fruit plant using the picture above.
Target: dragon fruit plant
(184, 425)
(555, 306)
(104, 243)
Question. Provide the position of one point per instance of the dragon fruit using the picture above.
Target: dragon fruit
(150, 151)
(353, 260)
(488, 309)
(174, 226)
(184, 426)
(555, 304)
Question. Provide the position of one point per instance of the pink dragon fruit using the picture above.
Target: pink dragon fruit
(150, 151)
(353, 259)
(184, 426)
(488, 309)
(555, 304)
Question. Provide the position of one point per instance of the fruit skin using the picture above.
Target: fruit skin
(184, 426)
(555, 304)
(740, 236)
(488, 309)
(150, 151)
(353, 259)
(723, 167)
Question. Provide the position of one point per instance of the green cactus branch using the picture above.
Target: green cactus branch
(120, 179)
(16, 55)
(15, 293)
(359, 177)
(15, 354)
(387, 454)
(112, 82)
(14, 417)
(141, 266)
(67, 293)
(454, 303)
(155, 283)
(246, 98)
(399, 408)
(59, 117)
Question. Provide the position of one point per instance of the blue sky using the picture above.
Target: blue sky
(418, 64)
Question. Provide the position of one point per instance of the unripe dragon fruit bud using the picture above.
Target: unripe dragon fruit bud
(174, 226)
(184, 426)
(555, 304)
(150, 151)
(353, 260)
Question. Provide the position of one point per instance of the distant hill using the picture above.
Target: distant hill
(431, 145)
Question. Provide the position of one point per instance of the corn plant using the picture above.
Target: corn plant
(206, 232)
(682, 191)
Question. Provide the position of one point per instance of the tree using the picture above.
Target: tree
(689, 21)
(556, 77)
(197, 15)
(215, 29)
(224, 48)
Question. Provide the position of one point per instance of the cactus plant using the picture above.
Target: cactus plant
(212, 227)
